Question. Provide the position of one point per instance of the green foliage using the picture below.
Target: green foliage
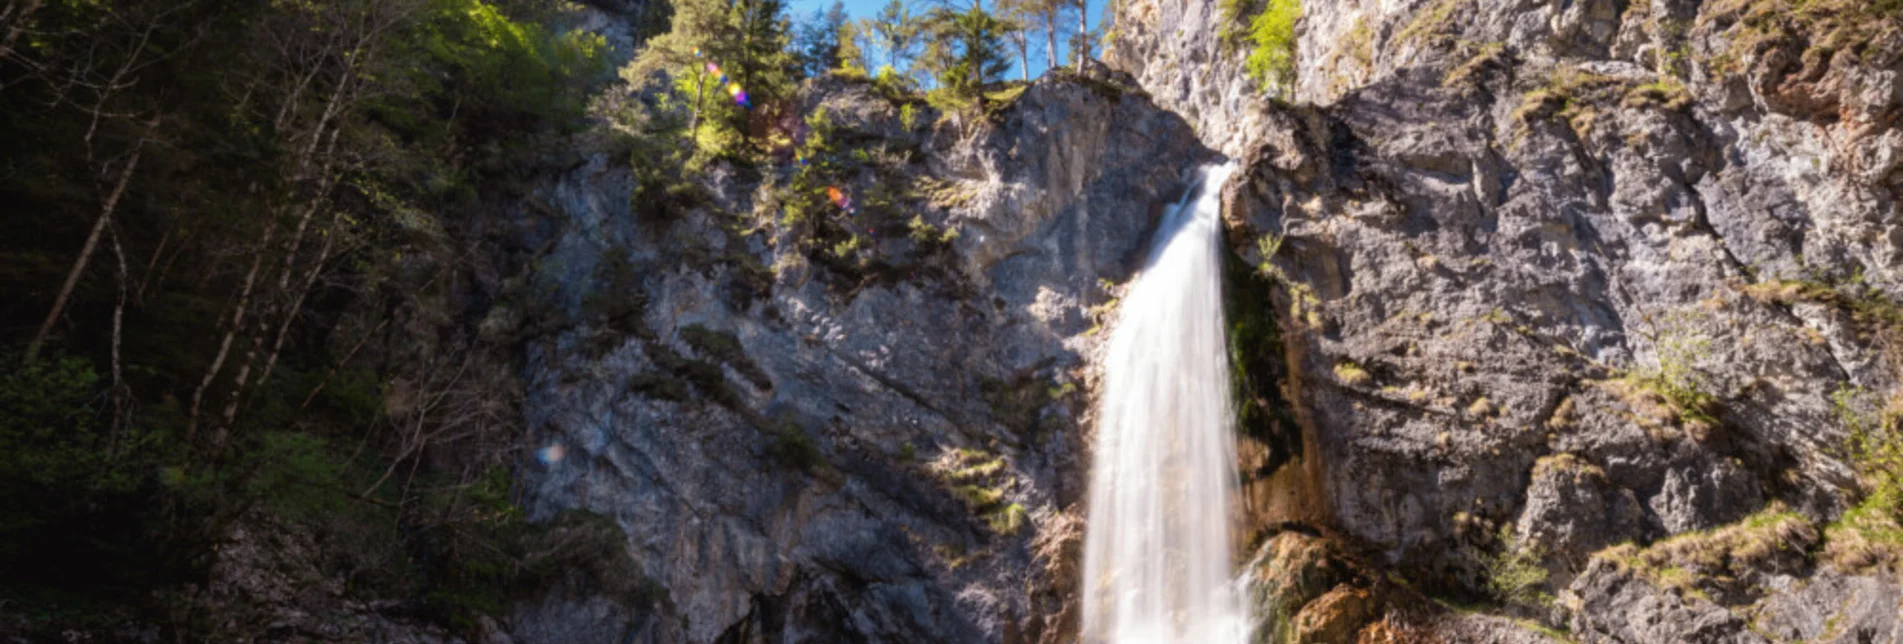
(1233, 17)
(821, 166)
(1515, 575)
(1479, 57)
(972, 53)
(1667, 92)
(62, 464)
(1008, 520)
(1677, 346)
(1352, 374)
(820, 43)
(1875, 429)
(897, 32)
(898, 88)
(749, 40)
(793, 448)
(978, 480)
(493, 556)
(724, 347)
(1267, 246)
(1272, 62)
(297, 474)
(617, 299)
(395, 125)
(908, 113)
(508, 64)
(851, 55)
(1430, 26)
(1256, 359)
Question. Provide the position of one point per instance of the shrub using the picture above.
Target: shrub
(77, 492)
(1272, 63)
(1514, 576)
(793, 448)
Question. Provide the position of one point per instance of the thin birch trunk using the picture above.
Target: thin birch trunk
(86, 252)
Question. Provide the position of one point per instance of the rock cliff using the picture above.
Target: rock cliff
(880, 443)
(1587, 272)
(1553, 320)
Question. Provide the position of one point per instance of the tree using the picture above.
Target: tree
(851, 54)
(747, 40)
(1046, 16)
(1019, 39)
(1272, 62)
(821, 39)
(974, 50)
(1080, 47)
(898, 32)
(761, 63)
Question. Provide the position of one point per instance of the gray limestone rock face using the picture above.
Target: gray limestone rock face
(804, 452)
(1541, 267)
(1833, 608)
(1618, 606)
(1511, 235)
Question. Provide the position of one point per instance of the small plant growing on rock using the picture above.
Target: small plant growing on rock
(1675, 378)
(1871, 533)
(1514, 576)
(1267, 246)
(1352, 374)
(793, 448)
(979, 480)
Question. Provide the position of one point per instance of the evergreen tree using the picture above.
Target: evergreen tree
(748, 40)
(852, 56)
(821, 40)
(762, 64)
(973, 51)
(899, 33)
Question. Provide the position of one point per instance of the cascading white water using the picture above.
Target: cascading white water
(1156, 549)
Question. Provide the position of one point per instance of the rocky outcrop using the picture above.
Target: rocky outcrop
(1566, 268)
(1518, 282)
(870, 443)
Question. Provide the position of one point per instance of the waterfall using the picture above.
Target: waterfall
(1157, 546)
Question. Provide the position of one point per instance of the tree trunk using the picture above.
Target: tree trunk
(1024, 56)
(1050, 40)
(237, 324)
(86, 251)
(118, 324)
(303, 173)
(297, 305)
(1083, 33)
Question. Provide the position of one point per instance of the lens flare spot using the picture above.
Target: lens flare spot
(552, 454)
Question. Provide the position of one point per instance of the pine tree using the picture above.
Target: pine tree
(748, 41)
(821, 40)
(763, 66)
(897, 31)
(851, 55)
(974, 50)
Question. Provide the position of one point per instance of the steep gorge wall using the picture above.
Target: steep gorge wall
(1503, 225)
(884, 444)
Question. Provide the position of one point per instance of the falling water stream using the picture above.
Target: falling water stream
(1157, 547)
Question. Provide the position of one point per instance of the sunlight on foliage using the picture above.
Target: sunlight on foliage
(1272, 63)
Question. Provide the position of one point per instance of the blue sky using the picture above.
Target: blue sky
(801, 10)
